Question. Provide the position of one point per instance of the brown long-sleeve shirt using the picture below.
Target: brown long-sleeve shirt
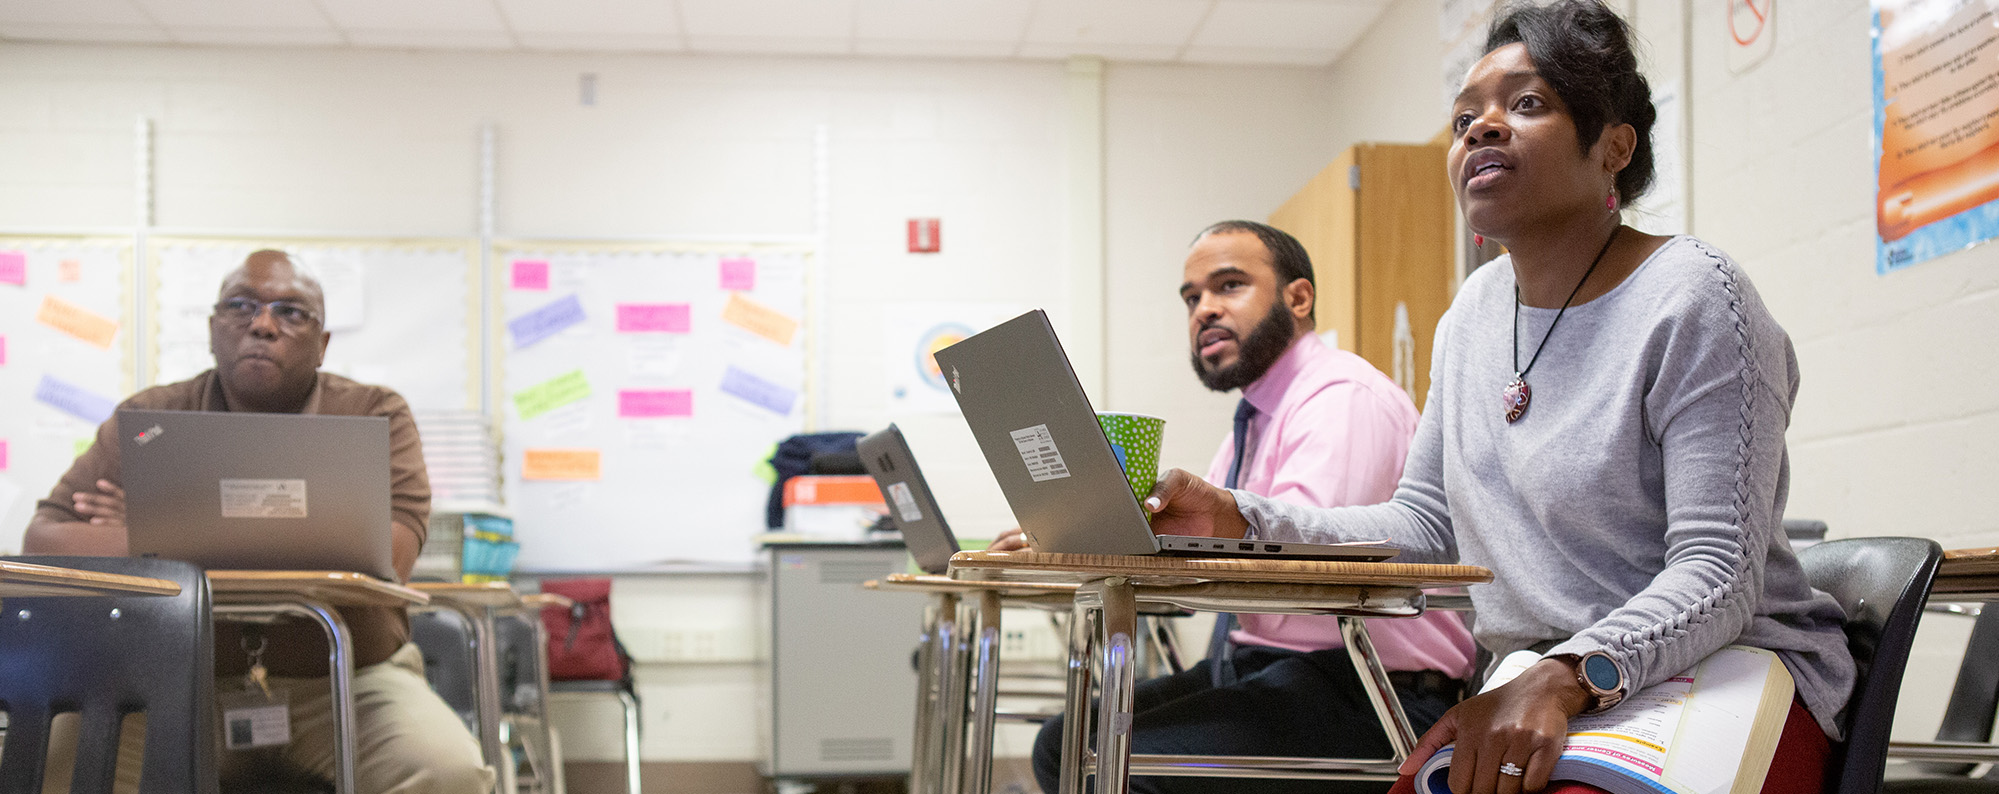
(295, 649)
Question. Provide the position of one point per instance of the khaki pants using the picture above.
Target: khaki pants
(407, 740)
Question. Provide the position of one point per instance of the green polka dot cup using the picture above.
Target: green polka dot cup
(1135, 441)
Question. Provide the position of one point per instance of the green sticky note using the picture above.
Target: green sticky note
(763, 470)
(551, 394)
(81, 446)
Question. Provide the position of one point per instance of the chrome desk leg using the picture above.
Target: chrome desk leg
(486, 678)
(1380, 693)
(1076, 708)
(340, 658)
(1168, 645)
(924, 764)
(1120, 632)
(985, 688)
(955, 655)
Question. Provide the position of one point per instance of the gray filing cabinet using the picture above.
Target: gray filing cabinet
(840, 695)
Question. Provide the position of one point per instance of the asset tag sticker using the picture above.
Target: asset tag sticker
(1037, 450)
(905, 502)
(263, 499)
(251, 720)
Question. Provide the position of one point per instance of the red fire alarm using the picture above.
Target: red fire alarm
(923, 235)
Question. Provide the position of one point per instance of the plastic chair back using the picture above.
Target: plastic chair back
(448, 663)
(104, 658)
(1882, 583)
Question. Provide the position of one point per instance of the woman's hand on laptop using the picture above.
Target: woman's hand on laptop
(1010, 540)
(104, 508)
(1183, 504)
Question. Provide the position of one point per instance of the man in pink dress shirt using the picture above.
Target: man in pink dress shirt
(1318, 426)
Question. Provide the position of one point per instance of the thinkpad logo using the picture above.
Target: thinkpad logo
(150, 434)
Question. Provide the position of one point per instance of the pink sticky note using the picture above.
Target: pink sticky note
(670, 318)
(3, 456)
(653, 403)
(739, 274)
(3, 350)
(530, 274)
(14, 268)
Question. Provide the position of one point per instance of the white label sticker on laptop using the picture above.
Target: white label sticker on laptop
(905, 502)
(1037, 450)
(263, 499)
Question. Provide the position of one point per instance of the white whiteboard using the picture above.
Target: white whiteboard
(64, 275)
(679, 405)
(401, 314)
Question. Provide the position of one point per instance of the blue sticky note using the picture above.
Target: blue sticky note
(759, 392)
(546, 321)
(75, 400)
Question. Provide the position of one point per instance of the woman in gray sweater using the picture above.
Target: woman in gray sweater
(1604, 429)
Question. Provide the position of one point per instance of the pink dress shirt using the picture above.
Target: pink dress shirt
(1330, 431)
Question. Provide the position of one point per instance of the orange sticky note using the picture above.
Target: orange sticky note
(77, 321)
(562, 464)
(70, 270)
(759, 319)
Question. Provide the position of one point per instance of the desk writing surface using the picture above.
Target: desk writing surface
(337, 588)
(546, 600)
(492, 595)
(23, 579)
(976, 564)
(1969, 562)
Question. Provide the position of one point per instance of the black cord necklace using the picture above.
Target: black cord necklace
(1517, 393)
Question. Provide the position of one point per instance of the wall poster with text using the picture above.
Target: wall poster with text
(1936, 127)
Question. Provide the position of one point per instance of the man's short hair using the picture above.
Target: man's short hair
(1287, 255)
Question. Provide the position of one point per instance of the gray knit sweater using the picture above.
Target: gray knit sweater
(1637, 507)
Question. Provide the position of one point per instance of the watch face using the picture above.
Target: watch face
(1602, 673)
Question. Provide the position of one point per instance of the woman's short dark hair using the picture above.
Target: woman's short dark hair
(1287, 256)
(1584, 51)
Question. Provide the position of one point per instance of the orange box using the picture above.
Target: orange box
(832, 489)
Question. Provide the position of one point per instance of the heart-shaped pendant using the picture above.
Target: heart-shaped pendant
(1517, 397)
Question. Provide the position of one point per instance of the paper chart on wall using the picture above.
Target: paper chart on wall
(912, 333)
(641, 389)
(1936, 128)
(65, 349)
(401, 315)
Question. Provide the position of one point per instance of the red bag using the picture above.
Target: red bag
(581, 645)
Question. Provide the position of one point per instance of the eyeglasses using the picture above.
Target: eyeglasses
(290, 315)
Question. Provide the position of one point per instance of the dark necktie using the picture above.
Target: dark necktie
(1223, 673)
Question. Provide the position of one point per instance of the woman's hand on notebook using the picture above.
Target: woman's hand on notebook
(1522, 723)
(104, 508)
(1183, 504)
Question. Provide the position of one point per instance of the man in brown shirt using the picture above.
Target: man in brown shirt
(268, 338)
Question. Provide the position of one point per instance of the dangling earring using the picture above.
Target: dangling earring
(1610, 201)
(1478, 240)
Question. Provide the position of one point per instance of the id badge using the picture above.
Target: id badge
(251, 720)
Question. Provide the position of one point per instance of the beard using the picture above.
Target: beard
(1254, 354)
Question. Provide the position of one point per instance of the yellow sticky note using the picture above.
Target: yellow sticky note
(759, 319)
(562, 464)
(77, 321)
(551, 394)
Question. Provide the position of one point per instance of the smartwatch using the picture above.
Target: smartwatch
(1603, 678)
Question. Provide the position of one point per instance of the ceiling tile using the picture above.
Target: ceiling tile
(263, 14)
(924, 48)
(1114, 52)
(430, 39)
(620, 19)
(73, 12)
(922, 22)
(413, 15)
(600, 42)
(1277, 23)
(1116, 22)
(769, 45)
(113, 34)
(259, 37)
(1268, 56)
(768, 19)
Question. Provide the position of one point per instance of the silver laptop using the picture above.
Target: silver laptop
(258, 491)
(887, 458)
(1041, 438)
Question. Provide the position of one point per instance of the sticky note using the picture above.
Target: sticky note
(3, 455)
(13, 267)
(77, 321)
(74, 400)
(80, 446)
(546, 321)
(739, 274)
(71, 270)
(3, 349)
(667, 318)
(653, 403)
(759, 392)
(759, 319)
(551, 394)
(530, 274)
(562, 464)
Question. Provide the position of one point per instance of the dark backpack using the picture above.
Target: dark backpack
(794, 457)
